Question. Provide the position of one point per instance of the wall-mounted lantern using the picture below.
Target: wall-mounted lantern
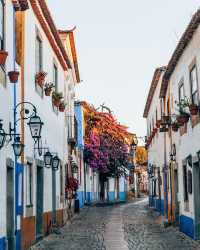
(34, 123)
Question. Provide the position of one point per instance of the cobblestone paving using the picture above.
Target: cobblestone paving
(131, 226)
(143, 233)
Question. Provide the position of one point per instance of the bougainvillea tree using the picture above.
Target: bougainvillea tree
(106, 142)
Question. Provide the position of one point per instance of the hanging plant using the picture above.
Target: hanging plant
(62, 106)
(56, 98)
(48, 87)
(71, 184)
(3, 56)
(40, 78)
(13, 76)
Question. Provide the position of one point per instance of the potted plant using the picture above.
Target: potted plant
(182, 119)
(40, 78)
(62, 106)
(193, 109)
(56, 98)
(158, 123)
(48, 88)
(13, 76)
(3, 56)
(155, 130)
(175, 126)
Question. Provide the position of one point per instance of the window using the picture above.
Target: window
(1, 24)
(29, 184)
(181, 92)
(185, 183)
(38, 54)
(38, 61)
(61, 180)
(55, 77)
(55, 82)
(193, 85)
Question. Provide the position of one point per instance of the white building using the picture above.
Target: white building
(35, 200)
(179, 95)
(181, 81)
(7, 175)
(155, 141)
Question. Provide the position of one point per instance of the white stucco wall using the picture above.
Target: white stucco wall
(156, 149)
(6, 103)
(188, 144)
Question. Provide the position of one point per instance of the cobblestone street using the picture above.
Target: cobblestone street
(119, 227)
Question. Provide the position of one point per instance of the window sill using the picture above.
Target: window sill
(29, 206)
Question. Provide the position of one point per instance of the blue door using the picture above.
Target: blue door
(18, 203)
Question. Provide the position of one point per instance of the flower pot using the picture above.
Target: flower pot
(3, 56)
(155, 130)
(61, 108)
(193, 109)
(40, 78)
(183, 118)
(56, 102)
(175, 127)
(13, 76)
(47, 92)
(158, 123)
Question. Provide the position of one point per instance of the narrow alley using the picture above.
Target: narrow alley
(120, 227)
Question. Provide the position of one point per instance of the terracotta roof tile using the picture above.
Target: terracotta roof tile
(153, 86)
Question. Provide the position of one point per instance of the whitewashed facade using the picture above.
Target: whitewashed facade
(180, 148)
(32, 196)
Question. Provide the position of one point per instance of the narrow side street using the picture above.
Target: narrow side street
(128, 226)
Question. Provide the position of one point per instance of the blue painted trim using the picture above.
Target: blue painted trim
(122, 196)
(89, 197)
(19, 172)
(18, 240)
(165, 194)
(111, 196)
(187, 225)
(3, 243)
(81, 198)
(157, 204)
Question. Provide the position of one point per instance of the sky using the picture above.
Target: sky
(119, 45)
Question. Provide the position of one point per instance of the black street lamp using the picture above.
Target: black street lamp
(55, 163)
(2, 135)
(35, 125)
(18, 147)
(48, 159)
(74, 168)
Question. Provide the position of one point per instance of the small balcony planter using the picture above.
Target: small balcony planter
(40, 78)
(3, 56)
(48, 88)
(13, 76)
(62, 107)
(56, 98)
(163, 129)
(193, 109)
(175, 127)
